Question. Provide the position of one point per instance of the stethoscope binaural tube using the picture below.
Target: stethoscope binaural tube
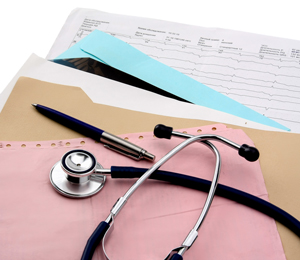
(251, 154)
(176, 253)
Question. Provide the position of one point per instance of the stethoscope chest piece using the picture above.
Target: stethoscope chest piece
(74, 176)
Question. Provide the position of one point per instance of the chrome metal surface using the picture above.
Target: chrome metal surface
(120, 145)
(174, 251)
(107, 233)
(98, 173)
(190, 239)
(102, 171)
(210, 137)
(60, 182)
(213, 186)
(118, 206)
(79, 163)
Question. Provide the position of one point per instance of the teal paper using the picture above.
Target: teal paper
(120, 55)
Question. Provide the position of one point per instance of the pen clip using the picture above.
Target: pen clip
(126, 153)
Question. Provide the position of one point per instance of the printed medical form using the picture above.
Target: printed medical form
(261, 72)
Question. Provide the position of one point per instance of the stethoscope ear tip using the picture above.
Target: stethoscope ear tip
(250, 153)
(162, 131)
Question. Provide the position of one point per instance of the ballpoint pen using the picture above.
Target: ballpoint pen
(110, 141)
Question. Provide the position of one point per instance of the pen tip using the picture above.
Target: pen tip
(34, 105)
(149, 156)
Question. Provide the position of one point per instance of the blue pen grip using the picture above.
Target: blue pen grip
(71, 122)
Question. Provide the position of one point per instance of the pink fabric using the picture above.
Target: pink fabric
(38, 223)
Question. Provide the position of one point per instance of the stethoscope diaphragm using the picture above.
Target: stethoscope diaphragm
(73, 176)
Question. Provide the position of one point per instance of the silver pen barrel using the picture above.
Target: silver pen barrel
(124, 147)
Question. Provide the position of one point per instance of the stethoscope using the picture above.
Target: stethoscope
(79, 175)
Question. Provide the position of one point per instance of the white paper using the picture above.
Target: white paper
(258, 71)
(108, 92)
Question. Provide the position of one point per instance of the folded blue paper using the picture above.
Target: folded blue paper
(109, 50)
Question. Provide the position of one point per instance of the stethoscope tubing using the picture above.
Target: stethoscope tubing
(224, 191)
(187, 181)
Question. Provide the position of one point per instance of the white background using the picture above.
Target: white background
(29, 26)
